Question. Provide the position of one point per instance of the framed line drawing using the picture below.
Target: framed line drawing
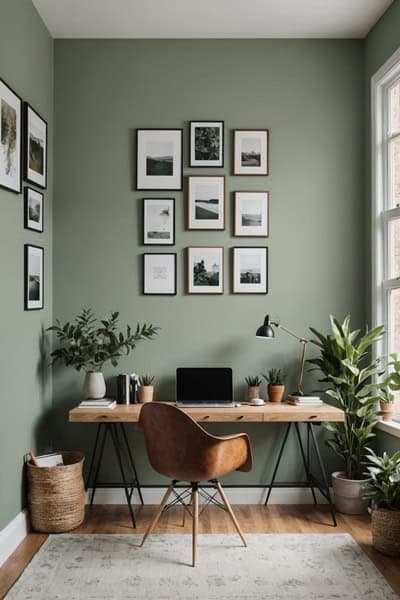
(10, 139)
(159, 160)
(159, 274)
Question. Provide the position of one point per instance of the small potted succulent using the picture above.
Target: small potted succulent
(253, 387)
(276, 388)
(386, 404)
(391, 384)
(146, 388)
(383, 489)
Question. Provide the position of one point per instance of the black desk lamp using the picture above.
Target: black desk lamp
(267, 332)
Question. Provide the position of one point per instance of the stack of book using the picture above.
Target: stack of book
(100, 403)
(304, 400)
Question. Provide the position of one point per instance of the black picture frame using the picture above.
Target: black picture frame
(28, 223)
(30, 303)
(146, 202)
(235, 289)
(160, 293)
(29, 174)
(206, 163)
(141, 160)
(6, 181)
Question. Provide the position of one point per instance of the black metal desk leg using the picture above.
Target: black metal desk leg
(114, 436)
(325, 479)
(132, 462)
(277, 463)
(309, 460)
(96, 476)
(96, 441)
(306, 462)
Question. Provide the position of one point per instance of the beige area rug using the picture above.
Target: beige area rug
(273, 566)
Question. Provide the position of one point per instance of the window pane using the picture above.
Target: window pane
(394, 326)
(394, 172)
(394, 108)
(394, 240)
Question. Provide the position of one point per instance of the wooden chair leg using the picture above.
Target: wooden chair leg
(230, 511)
(195, 505)
(158, 514)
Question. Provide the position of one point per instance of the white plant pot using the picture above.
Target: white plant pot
(348, 494)
(94, 386)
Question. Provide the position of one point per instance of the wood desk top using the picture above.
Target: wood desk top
(269, 412)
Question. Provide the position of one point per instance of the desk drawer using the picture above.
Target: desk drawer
(214, 416)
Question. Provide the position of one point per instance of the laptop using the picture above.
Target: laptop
(208, 387)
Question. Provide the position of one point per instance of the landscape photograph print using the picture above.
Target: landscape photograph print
(33, 277)
(250, 270)
(250, 152)
(206, 202)
(159, 159)
(10, 139)
(35, 148)
(159, 221)
(206, 143)
(251, 214)
(205, 270)
(33, 209)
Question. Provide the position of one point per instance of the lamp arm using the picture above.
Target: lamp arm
(298, 338)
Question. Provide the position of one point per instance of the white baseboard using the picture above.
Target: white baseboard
(235, 496)
(13, 534)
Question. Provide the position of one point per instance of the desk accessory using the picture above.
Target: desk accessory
(256, 402)
(253, 387)
(276, 388)
(127, 384)
(146, 388)
(103, 403)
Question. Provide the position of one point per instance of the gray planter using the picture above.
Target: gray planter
(348, 494)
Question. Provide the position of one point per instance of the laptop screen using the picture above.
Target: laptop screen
(204, 385)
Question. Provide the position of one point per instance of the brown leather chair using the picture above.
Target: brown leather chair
(181, 450)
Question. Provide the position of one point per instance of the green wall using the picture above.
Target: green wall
(310, 95)
(26, 64)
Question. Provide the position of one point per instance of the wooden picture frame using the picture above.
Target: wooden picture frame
(33, 277)
(206, 144)
(159, 159)
(205, 270)
(251, 152)
(33, 210)
(159, 274)
(36, 148)
(206, 204)
(250, 270)
(251, 213)
(159, 221)
(10, 139)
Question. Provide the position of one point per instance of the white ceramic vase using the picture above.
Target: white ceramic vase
(94, 386)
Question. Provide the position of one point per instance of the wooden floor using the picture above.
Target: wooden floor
(253, 519)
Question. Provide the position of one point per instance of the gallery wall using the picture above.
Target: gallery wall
(310, 94)
(26, 64)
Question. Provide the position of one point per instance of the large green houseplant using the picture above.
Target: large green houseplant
(87, 343)
(347, 368)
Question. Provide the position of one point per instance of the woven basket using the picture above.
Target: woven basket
(385, 525)
(56, 495)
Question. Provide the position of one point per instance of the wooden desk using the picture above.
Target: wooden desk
(112, 422)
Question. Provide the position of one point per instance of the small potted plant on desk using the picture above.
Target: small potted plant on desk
(276, 387)
(383, 490)
(87, 343)
(146, 388)
(253, 387)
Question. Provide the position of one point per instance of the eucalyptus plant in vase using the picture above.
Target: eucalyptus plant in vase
(88, 343)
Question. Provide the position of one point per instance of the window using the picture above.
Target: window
(386, 205)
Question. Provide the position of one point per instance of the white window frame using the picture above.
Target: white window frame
(381, 212)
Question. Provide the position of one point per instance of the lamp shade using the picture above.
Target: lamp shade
(265, 331)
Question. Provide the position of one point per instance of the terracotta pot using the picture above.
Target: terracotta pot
(348, 494)
(145, 393)
(275, 393)
(253, 391)
(385, 527)
(387, 410)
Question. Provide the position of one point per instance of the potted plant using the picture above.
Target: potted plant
(87, 343)
(253, 387)
(146, 388)
(276, 388)
(391, 384)
(347, 367)
(384, 491)
(386, 404)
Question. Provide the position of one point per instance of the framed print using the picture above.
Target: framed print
(206, 202)
(159, 274)
(34, 277)
(206, 144)
(250, 270)
(250, 151)
(205, 270)
(35, 148)
(159, 221)
(10, 138)
(159, 159)
(251, 214)
(33, 210)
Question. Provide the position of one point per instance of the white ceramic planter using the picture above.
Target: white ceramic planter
(348, 494)
(94, 386)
